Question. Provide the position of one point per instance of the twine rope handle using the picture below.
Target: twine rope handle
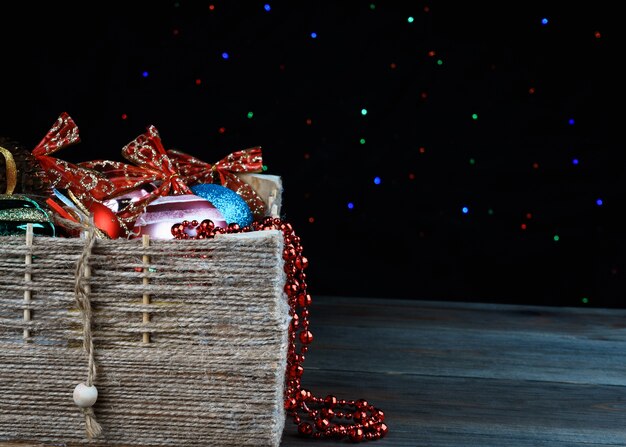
(82, 292)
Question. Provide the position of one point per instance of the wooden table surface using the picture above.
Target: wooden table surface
(461, 375)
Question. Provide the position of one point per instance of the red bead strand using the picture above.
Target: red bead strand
(315, 417)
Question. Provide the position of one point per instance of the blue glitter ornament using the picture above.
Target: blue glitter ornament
(228, 202)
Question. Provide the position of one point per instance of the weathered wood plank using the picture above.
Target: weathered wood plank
(578, 321)
(470, 340)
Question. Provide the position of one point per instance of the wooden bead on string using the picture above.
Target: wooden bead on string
(85, 396)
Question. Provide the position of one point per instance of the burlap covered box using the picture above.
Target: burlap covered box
(188, 339)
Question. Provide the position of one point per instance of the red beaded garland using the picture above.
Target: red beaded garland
(364, 422)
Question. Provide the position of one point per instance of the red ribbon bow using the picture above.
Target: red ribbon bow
(151, 165)
(85, 184)
(196, 171)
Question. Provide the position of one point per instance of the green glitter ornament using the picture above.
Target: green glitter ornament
(17, 211)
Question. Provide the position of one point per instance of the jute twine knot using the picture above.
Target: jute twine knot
(82, 291)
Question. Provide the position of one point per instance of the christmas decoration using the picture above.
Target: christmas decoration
(224, 172)
(105, 220)
(161, 213)
(118, 203)
(85, 184)
(154, 172)
(30, 179)
(17, 211)
(231, 205)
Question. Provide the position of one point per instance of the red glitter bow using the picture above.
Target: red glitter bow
(196, 171)
(151, 165)
(85, 184)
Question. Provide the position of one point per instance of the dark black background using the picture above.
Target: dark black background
(406, 237)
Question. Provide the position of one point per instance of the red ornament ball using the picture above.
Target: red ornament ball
(105, 220)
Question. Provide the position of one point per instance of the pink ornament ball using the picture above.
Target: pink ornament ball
(160, 214)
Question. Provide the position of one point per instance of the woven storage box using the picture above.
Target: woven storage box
(211, 374)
